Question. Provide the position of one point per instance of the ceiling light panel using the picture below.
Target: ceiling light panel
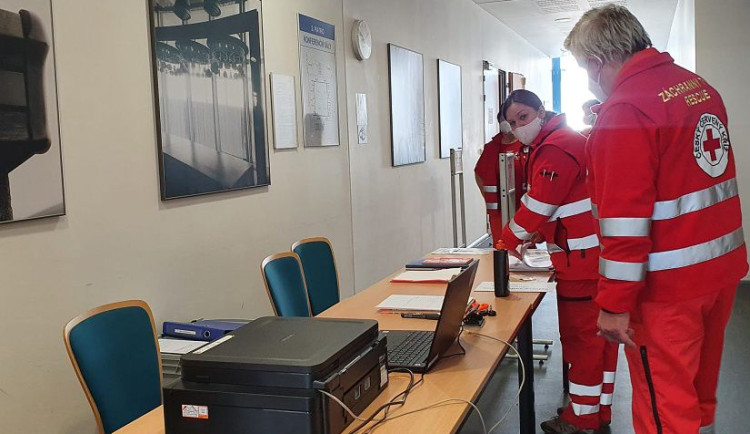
(557, 6)
(600, 3)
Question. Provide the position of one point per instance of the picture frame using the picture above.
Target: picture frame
(209, 95)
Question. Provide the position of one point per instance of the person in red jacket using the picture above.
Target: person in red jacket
(662, 181)
(487, 173)
(556, 208)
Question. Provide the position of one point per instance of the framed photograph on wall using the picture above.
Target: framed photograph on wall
(209, 89)
(406, 73)
(449, 107)
(31, 177)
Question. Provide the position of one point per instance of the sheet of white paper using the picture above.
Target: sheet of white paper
(361, 109)
(412, 302)
(179, 346)
(519, 287)
(442, 275)
(537, 258)
(284, 111)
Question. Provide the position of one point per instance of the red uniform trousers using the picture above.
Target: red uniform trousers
(675, 369)
(592, 359)
(496, 227)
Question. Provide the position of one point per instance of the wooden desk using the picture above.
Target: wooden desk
(457, 377)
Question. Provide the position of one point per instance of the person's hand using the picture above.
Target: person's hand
(615, 327)
(536, 238)
(516, 254)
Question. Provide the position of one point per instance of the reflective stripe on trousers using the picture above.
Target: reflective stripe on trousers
(581, 410)
(582, 390)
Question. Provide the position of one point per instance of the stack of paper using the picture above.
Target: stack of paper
(171, 350)
(427, 276)
(461, 251)
(519, 287)
(421, 303)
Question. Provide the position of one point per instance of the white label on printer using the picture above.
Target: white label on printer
(195, 411)
(185, 332)
(383, 375)
(220, 341)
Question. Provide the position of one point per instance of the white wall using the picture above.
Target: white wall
(723, 58)
(187, 258)
(681, 44)
(400, 213)
(200, 256)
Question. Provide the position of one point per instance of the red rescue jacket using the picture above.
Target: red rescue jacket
(487, 168)
(556, 204)
(662, 180)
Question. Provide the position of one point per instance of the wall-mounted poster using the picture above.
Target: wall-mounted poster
(209, 92)
(406, 72)
(449, 105)
(31, 180)
(317, 61)
(284, 111)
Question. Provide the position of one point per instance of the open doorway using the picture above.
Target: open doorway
(495, 92)
(574, 91)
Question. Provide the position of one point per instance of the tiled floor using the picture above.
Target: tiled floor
(733, 394)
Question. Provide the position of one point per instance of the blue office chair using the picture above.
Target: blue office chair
(115, 353)
(316, 255)
(285, 284)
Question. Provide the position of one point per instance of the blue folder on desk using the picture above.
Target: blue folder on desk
(202, 330)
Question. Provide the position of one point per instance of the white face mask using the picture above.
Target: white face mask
(527, 133)
(505, 127)
(596, 88)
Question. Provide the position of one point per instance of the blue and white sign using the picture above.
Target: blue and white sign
(320, 115)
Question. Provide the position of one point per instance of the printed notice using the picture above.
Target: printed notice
(284, 111)
(320, 113)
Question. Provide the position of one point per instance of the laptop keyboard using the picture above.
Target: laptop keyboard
(412, 351)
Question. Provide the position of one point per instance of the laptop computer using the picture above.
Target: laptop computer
(418, 350)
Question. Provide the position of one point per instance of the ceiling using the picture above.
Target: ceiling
(535, 21)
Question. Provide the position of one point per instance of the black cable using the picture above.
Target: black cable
(392, 402)
(406, 393)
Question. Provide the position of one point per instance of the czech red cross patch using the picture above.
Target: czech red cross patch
(711, 145)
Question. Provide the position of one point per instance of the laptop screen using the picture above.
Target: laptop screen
(453, 311)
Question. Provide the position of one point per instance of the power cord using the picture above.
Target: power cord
(385, 407)
(523, 377)
(442, 403)
(405, 394)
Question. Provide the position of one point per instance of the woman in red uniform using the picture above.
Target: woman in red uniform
(556, 208)
(487, 173)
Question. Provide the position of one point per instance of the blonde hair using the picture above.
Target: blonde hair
(609, 33)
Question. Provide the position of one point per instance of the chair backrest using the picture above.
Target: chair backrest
(115, 354)
(285, 284)
(321, 277)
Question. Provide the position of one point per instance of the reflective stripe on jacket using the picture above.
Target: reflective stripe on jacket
(662, 181)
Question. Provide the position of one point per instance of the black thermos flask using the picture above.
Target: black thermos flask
(501, 269)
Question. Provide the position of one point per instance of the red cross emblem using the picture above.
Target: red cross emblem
(711, 144)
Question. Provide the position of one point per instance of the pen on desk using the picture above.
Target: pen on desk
(434, 316)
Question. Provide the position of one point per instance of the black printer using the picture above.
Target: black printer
(266, 377)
